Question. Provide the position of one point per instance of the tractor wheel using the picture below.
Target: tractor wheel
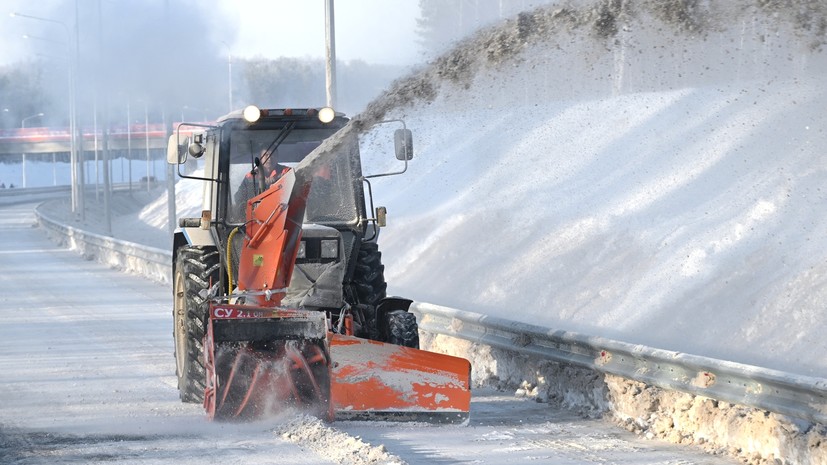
(369, 275)
(402, 329)
(196, 280)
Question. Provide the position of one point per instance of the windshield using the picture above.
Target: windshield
(332, 199)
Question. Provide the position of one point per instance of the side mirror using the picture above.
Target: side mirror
(403, 144)
(175, 156)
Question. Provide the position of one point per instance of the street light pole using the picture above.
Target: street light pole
(330, 48)
(229, 77)
(23, 126)
(146, 142)
(23, 121)
(73, 62)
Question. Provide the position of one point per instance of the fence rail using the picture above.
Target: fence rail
(150, 262)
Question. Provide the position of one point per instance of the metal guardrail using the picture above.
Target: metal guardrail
(37, 192)
(150, 262)
(776, 391)
(21, 191)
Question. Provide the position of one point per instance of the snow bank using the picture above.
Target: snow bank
(659, 181)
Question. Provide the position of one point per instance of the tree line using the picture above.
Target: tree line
(30, 88)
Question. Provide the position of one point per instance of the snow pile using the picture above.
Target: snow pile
(721, 428)
(656, 185)
(333, 444)
(188, 195)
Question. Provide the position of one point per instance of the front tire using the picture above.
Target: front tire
(195, 282)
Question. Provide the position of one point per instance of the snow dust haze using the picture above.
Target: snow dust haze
(161, 54)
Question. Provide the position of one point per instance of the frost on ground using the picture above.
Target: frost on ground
(333, 444)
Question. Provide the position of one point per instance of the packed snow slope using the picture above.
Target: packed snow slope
(653, 172)
(648, 171)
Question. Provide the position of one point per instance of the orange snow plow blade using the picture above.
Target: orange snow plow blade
(373, 380)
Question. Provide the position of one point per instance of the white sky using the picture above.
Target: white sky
(377, 31)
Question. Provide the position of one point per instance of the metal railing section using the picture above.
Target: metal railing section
(149, 262)
(776, 391)
(31, 191)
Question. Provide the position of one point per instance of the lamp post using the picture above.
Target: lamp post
(229, 77)
(23, 121)
(146, 142)
(128, 143)
(75, 145)
(23, 126)
(330, 55)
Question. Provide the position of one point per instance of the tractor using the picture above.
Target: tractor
(279, 295)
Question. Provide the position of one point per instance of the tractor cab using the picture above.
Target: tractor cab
(246, 152)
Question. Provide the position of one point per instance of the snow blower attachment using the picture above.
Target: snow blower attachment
(283, 306)
(260, 361)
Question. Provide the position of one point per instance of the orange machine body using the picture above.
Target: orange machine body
(258, 350)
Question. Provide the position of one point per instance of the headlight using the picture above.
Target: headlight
(326, 115)
(330, 248)
(251, 113)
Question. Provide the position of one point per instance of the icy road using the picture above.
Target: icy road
(86, 376)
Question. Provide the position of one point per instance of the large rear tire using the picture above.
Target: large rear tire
(196, 280)
(402, 329)
(368, 288)
(396, 327)
(369, 275)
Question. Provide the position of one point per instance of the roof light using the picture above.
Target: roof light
(251, 114)
(326, 115)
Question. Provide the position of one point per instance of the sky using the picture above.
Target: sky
(376, 31)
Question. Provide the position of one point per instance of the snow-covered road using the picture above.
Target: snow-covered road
(85, 372)
(86, 376)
